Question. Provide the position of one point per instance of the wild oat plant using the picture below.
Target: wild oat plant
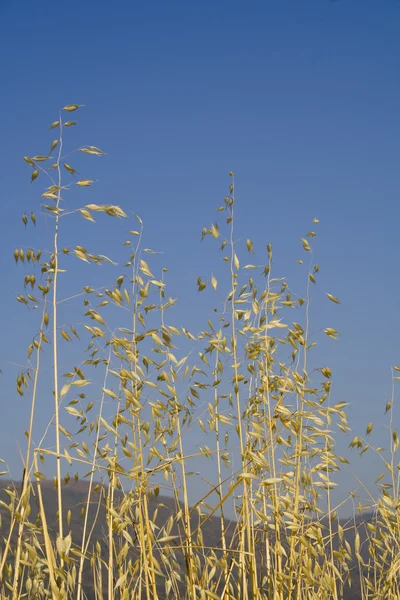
(266, 528)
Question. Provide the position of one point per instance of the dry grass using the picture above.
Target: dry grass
(268, 429)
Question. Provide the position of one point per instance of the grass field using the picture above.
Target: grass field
(138, 388)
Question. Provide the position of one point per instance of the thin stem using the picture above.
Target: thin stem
(55, 340)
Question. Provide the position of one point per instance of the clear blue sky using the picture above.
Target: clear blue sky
(299, 97)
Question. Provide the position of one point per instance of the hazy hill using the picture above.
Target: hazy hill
(74, 498)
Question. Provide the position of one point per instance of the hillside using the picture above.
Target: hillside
(74, 497)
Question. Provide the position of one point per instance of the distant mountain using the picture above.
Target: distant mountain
(74, 498)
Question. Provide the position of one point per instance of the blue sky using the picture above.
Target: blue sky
(299, 97)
